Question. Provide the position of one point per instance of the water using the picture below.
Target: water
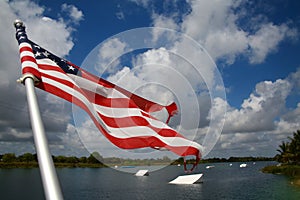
(221, 182)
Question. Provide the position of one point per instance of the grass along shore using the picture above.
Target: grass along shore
(292, 171)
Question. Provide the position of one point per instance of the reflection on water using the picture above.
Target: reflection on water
(220, 182)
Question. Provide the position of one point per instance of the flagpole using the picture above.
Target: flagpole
(49, 177)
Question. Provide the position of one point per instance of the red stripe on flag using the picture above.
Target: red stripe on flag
(25, 48)
(28, 58)
(109, 102)
(51, 68)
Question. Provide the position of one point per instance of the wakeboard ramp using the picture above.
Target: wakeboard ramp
(142, 172)
(187, 179)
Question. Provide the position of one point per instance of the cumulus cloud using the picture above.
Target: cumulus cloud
(266, 40)
(40, 28)
(109, 55)
(75, 14)
(263, 120)
(289, 122)
(258, 112)
(215, 24)
(166, 22)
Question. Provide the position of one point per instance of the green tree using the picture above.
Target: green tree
(72, 159)
(60, 159)
(294, 147)
(83, 159)
(26, 157)
(9, 157)
(95, 157)
(283, 157)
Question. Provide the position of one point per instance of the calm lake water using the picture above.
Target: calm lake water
(221, 182)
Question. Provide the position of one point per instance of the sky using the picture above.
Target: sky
(232, 66)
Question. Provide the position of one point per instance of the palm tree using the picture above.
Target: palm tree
(294, 146)
(284, 152)
(283, 147)
(290, 151)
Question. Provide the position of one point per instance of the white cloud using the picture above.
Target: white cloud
(262, 122)
(215, 25)
(289, 122)
(258, 112)
(112, 49)
(162, 21)
(39, 28)
(266, 41)
(109, 54)
(226, 44)
(41, 31)
(125, 76)
(75, 14)
(25, 9)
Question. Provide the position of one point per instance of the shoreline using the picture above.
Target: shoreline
(291, 171)
(34, 164)
(27, 165)
(296, 182)
(73, 162)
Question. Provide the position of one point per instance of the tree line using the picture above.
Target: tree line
(94, 159)
(29, 157)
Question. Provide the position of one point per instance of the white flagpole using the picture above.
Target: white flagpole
(49, 177)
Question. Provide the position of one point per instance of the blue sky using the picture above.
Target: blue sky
(255, 45)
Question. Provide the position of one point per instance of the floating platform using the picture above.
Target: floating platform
(142, 172)
(243, 165)
(187, 179)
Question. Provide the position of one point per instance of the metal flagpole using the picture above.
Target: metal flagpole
(49, 177)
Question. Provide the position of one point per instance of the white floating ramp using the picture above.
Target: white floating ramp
(187, 179)
(142, 172)
(243, 165)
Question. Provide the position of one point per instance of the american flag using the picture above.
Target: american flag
(123, 117)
